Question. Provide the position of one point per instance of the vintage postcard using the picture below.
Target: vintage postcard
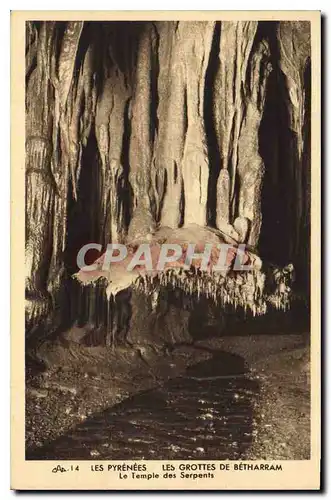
(165, 309)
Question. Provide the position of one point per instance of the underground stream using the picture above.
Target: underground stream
(209, 411)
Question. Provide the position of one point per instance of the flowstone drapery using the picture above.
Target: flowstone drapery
(144, 125)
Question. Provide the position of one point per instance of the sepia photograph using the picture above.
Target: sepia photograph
(168, 210)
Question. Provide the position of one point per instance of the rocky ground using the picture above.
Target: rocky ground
(79, 382)
(281, 364)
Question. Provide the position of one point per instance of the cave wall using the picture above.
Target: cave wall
(130, 125)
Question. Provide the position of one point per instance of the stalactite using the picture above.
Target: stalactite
(142, 136)
(196, 39)
(139, 102)
(250, 166)
(294, 41)
(71, 97)
(236, 43)
(40, 185)
(172, 116)
(243, 289)
(109, 130)
(66, 141)
(294, 46)
(236, 290)
(67, 107)
(31, 48)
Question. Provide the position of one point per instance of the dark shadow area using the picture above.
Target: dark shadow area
(222, 364)
(209, 121)
(277, 147)
(207, 321)
(84, 212)
(284, 234)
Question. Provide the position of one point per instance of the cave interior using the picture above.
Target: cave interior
(133, 126)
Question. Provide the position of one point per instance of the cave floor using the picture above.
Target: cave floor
(230, 397)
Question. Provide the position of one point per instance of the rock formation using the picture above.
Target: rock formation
(136, 126)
